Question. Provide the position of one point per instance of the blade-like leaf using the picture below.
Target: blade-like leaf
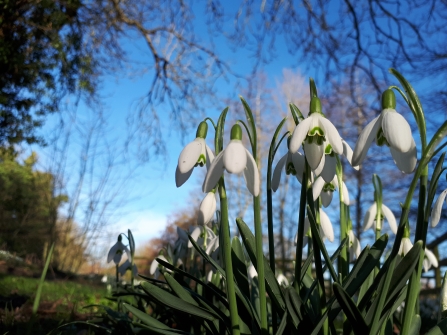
(439, 329)
(351, 311)
(272, 285)
(218, 139)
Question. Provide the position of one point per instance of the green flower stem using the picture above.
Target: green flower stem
(301, 217)
(412, 298)
(260, 265)
(226, 251)
(343, 259)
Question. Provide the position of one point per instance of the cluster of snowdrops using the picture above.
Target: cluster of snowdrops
(233, 287)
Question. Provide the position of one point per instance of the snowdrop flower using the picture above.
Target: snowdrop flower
(370, 217)
(354, 245)
(405, 246)
(252, 273)
(155, 266)
(313, 131)
(282, 280)
(181, 245)
(326, 230)
(235, 159)
(194, 154)
(294, 164)
(116, 251)
(436, 211)
(127, 266)
(206, 237)
(429, 260)
(321, 188)
(207, 209)
(390, 129)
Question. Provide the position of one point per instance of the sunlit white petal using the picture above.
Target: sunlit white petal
(277, 172)
(299, 134)
(365, 140)
(332, 135)
(282, 280)
(181, 178)
(251, 174)
(214, 173)
(209, 156)
(313, 153)
(429, 260)
(328, 172)
(436, 211)
(326, 226)
(390, 218)
(347, 152)
(397, 131)
(190, 154)
(317, 186)
(234, 157)
(405, 161)
(370, 216)
(207, 209)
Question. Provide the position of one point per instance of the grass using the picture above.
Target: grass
(61, 301)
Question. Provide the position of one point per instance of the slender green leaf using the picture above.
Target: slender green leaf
(169, 300)
(313, 88)
(144, 317)
(296, 113)
(415, 325)
(218, 139)
(251, 125)
(272, 286)
(439, 329)
(351, 311)
(239, 267)
(290, 308)
(42, 280)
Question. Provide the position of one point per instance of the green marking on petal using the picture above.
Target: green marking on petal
(315, 131)
(328, 150)
(329, 187)
(381, 139)
(201, 161)
(290, 169)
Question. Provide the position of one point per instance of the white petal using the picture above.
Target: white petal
(207, 209)
(390, 218)
(117, 258)
(112, 252)
(190, 154)
(277, 172)
(365, 140)
(209, 156)
(251, 174)
(320, 166)
(299, 134)
(347, 152)
(332, 135)
(195, 235)
(431, 258)
(407, 245)
(405, 161)
(214, 173)
(299, 162)
(234, 158)
(370, 216)
(328, 172)
(282, 280)
(326, 198)
(182, 235)
(317, 187)
(326, 226)
(436, 211)
(396, 130)
(181, 178)
(345, 194)
(252, 272)
(313, 153)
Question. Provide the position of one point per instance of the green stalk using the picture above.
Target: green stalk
(42, 280)
(343, 259)
(226, 251)
(299, 242)
(260, 265)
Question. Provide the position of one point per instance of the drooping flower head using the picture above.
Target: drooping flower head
(436, 211)
(235, 159)
(429, 260)
(326, 190)
(205, 237)
(207, 209)
(293, 163)
(354, 245)
(390, 129)
(127, 266)
(314, 131)
(371, 214)
(196, 153)
(117, 250)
